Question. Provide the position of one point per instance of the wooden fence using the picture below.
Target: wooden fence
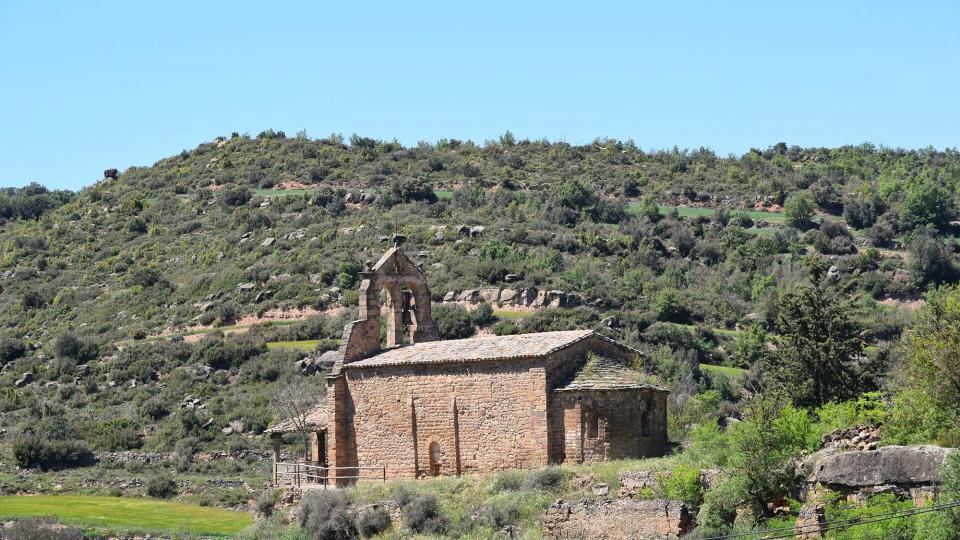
(299, 474)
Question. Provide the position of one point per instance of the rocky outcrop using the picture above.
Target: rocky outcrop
(640, 483)
(515, 297)
(906, 471)
(24, 380)
(616, 519)
(896, 465)
(317, 362)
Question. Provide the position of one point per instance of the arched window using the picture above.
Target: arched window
(435, 457)
(646, 418)
(593, 425)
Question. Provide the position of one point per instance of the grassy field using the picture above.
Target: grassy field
(443, 193)
(306, 345)
(281, 192)
(689, 211)
(511, 315)
(117, 513)
(723, 370)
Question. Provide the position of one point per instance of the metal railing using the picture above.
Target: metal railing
(299, 474)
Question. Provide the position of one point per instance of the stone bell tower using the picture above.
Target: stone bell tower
(407, 307)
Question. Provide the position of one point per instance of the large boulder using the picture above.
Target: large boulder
(24, 380)
(905, 466)
(525, 297)
(490, 295)
(470, 296)
(617, 519)
(508, 296)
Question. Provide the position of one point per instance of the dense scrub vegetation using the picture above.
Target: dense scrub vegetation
(800, 269)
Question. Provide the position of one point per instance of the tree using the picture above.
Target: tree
(294, 400)
(757, 455)
(932, 347)
(670, 306)
(798, 211)
(11, 349)
(926, 203)
(751, 346)
(818, 346)
(574, 194)
(930, 262)
(236, 197)
(453, 322)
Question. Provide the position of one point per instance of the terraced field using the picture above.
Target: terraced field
(690, 211)
(305, 345)
(281, 192)
(731, 372)
(127, 514)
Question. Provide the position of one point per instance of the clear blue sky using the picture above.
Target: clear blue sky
(89, 85)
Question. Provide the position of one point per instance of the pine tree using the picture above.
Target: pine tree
(819, 344)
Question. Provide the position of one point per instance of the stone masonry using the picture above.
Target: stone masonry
(617, 519)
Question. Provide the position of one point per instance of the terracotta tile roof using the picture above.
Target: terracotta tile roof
(476, 349)
(600, 373)
(316, 419)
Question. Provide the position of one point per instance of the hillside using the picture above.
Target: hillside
(159, 308)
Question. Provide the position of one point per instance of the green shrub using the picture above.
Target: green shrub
(41, 529)
(683, 484)
(482, 315)
(11, 349)
(798, 211)
(422, 515)
(511, 480)
(719, 507)
(868, 409)
(758, 453)
(498, 516)
(35, 452)
(115, 434)
(453, 322)
(236, 197)
(327, 515)
(161, 487)
(504, 328)
(878, 504)
(546, 479)
(70, 346)
(154, 409)
(373, 521)
(403, 495)
(917, 418)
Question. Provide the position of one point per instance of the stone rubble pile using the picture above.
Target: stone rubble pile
(856, 438)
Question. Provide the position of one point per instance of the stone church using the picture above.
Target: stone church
(419, 406)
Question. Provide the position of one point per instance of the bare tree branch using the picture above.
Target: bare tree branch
(294, 399)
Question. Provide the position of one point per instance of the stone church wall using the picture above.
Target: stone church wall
(474, 416)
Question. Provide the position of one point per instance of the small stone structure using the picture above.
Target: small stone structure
(424, 407)
(616, 519)
(810, 522)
